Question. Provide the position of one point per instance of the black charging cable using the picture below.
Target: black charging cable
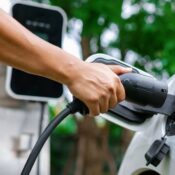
(73, 107)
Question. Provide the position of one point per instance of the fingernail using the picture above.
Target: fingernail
(129, 69)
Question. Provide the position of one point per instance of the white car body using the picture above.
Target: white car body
(152, 129)
(134, 162)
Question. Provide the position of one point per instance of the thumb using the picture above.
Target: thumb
(119, 69)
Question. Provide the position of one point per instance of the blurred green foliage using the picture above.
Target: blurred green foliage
(95, 15)
(149, 31)
(68, 125)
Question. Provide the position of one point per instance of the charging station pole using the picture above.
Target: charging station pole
(22, 96)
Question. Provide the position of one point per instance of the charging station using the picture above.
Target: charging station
(21, 120)
(49, 24)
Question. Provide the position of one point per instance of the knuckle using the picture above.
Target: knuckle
(113, 102)
(121, 97)
(103, 95)
(95, 112)
(94, 99)
(112, 105)
(117, 79)
(103, 110)
(111, 88)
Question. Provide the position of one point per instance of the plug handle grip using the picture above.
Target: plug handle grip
(144, 90)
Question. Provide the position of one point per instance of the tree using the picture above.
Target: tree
(96, 16)
(150, 33)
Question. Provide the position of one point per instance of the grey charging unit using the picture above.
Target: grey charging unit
(21, 121)
(49, 24)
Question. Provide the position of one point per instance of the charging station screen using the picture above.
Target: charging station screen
(48, 25)
(42, 35)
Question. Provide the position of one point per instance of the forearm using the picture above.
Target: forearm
(95, 84)
(23, 50)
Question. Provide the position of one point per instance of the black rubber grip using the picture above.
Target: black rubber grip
(144, 90)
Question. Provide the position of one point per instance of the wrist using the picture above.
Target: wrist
(61, 66)
(72, 70)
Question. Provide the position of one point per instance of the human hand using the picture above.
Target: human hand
(98, 86)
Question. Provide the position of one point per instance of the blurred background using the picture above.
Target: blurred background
(139, 32)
